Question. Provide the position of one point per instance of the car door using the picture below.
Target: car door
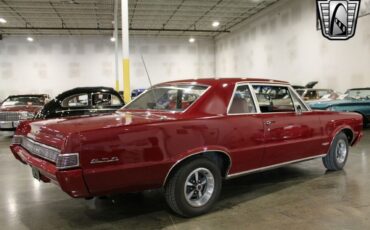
(245, 138)
(291, 131)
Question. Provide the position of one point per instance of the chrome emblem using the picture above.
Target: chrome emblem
(338, 18)
(104, 160)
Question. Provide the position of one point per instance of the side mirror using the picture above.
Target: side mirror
(299, 109)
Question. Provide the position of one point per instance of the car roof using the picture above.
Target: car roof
(214, 81)
(87, 90)
(29, 95)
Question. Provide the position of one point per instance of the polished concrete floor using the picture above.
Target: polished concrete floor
(300, 196)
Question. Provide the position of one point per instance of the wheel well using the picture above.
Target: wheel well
(221, 159)
(349, 134)
(364, 117)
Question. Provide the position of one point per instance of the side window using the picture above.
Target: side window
(105, 99)
(242, 101)
(79, 100)
(298, 102)
(323, 93)
(274, 98)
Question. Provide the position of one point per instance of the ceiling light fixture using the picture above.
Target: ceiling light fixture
(2, 20)
(30, 39)
(191, 40)
(112, 39)
(215, 23)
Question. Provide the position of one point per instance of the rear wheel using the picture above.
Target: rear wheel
(194, 187)
(338, 153)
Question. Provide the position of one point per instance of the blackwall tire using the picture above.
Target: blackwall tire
(338, 153)
(189, 198)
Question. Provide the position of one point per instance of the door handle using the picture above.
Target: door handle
(269, 122)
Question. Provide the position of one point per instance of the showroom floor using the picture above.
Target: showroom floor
(301, 196)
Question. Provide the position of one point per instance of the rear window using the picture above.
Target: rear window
(168, 98)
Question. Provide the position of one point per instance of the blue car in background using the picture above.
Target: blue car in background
(356, 100)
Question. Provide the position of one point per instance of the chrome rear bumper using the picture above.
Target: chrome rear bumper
(9, 124)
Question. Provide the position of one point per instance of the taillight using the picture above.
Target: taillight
(68, 160)
(17, 140)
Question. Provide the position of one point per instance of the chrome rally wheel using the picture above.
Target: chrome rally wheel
(338, 153)
(199, 187)
(341, 151)
(194, 187)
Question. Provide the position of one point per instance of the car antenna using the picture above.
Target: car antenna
(147, 74)
(146, 70)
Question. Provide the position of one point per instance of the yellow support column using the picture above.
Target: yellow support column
(117, 85)
(126, 80)
(115, 34)
(125, 51)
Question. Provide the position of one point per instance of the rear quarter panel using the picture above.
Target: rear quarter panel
(147, 152)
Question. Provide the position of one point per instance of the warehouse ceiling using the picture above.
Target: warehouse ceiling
(149, 17)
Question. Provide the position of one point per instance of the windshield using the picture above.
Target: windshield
(168, 98)
(23, 100)
(359, 94)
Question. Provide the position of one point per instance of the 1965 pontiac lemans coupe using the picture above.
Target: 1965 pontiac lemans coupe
(186, 136)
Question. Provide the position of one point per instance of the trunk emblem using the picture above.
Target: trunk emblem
(104, 160)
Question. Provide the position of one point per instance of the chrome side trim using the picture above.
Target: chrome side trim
(271, 167)
(197, 153)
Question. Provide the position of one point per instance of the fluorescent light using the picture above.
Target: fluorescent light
(30, 39)
(112, 39)
(215, 23)
(191, 40)
(2, 20)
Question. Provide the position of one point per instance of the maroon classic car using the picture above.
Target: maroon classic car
(17, 108)
(186, 136)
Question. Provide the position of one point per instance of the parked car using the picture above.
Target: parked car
(317, 94)
(82, 101)
(309, 85)
(185, 137)
(17, 108)
(356, 100)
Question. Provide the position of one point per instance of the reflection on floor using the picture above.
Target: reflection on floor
(301, 196)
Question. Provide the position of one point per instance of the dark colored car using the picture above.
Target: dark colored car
(317, 94)
(356, 100)
(186, 136)
(17, 108)
(82, 101)
(309, 85)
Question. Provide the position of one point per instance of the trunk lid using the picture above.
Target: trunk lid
(54, 132)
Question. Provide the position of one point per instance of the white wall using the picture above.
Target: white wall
(54, 64)
(282, 43)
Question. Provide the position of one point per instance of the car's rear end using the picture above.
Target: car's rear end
(50, 160)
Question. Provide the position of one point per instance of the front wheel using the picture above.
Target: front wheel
(194, 187)
(338, 153)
